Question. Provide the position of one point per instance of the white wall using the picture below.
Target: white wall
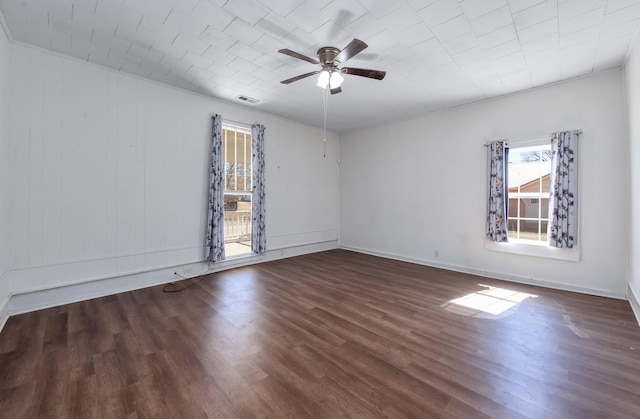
(632, 84)
(111, 175)
(408, 189)
(5, 173)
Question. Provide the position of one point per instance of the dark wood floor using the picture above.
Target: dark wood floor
(329, 335)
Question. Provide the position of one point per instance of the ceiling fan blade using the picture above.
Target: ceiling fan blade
(297, 55)
(336, 90)
(300, 77)
(372, 74)
(350, 50)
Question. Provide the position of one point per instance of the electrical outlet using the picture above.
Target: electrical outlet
(186, 270)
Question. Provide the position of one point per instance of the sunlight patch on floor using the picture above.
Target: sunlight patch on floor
(492, 302)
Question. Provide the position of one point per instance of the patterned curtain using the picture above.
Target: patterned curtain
(258, 237)
(498, 200)
(215, 220)
(562, 227)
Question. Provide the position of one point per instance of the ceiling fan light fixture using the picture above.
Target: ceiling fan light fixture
(336, 80)
(323, 79)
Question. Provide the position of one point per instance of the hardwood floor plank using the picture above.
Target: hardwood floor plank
(334, 334)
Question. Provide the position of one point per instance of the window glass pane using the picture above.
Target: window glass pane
(237, 194)
(528, 177)
(513, 229)
(544, 202)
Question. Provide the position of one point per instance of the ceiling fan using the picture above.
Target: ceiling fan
(330, 59)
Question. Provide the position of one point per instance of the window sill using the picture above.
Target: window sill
(535, 250)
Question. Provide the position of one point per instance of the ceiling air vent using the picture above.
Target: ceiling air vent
(248, 99)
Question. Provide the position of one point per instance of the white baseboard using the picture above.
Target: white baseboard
(490, 274)
(633, 301)
(36, 299)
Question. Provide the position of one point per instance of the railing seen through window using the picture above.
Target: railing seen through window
(236, 147)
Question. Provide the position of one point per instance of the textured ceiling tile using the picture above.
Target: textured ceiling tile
(473, 55)
(156, 9)
(439, 12)
(244, 51)
(536, 14)
(145, 53)
(490, 22)
(415, 34)
(282, 7)
(196, 60)
(400, 19)
(624, 32)
(133, 36)
(218, 55)
(155, 29)
(299, 41)
(250, 10)
(214, 16)
(185, 6)
(221, 69)
(503, 50)
(267, 45)
(184, 41)
(327, 34)
(110, 15)
(453, 28)
(540, 30)
(461, 43)
(185, 23)
(275, 25)
(590, 19)
(242, 31)
(308, 16)
(265, 75)
(364, 27)
(268, 62)
(520, 5)
(590, 36)
(70, 28)
(382, 41)
(540, 44)
(343, 13)
(621, 16)
(574, 8)
(473, 9)
(378, 8)
(614, 5)
(242, 65)
(219, 39)
(499, 36)
(427, 48)
(167, 49)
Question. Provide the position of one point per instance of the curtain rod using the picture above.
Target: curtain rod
(531, 140)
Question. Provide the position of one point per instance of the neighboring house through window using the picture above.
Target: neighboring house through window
(529, 173)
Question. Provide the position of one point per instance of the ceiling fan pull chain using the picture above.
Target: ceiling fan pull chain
(325, 100)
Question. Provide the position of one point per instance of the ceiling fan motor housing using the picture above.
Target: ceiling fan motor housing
(327, 56)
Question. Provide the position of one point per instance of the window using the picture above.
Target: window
(528, 179)
(236, 148)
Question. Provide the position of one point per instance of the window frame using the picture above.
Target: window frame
(529, 247)
(246, 131)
